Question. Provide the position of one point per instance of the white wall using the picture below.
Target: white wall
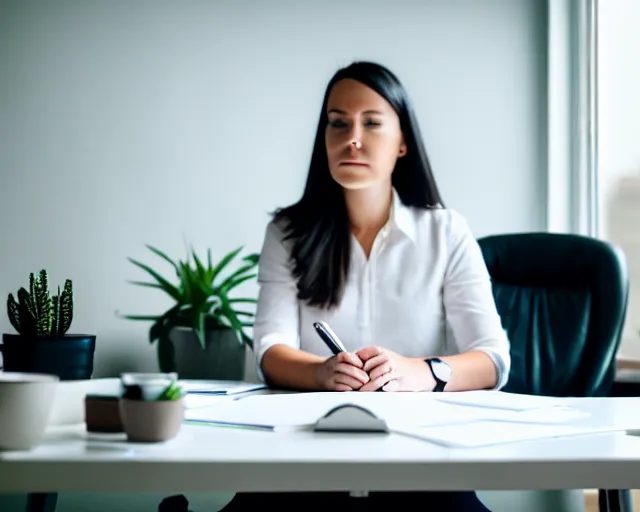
(125, 123)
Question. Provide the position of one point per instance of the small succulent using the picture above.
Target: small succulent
(172, 392)
(36, 313)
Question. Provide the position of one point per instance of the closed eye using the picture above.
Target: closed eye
(337, 123)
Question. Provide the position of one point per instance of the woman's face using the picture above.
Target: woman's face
(363, 135)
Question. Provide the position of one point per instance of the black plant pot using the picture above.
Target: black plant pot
(70, 357)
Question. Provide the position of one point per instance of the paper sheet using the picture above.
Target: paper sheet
(489, 433)
(219, 387)
(402, 410)
(306, 408)
(195, 401)
(500, 400)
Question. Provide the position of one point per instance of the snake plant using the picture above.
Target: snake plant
(37, 314)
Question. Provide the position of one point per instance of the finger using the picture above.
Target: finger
(353, 372)
(344, 387)
(380, 370)
(380, 382)
(346, 380)
(350, 358)
(368, 352)
(370, 364)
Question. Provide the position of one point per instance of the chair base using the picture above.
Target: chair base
(42, 502)
(615, 500)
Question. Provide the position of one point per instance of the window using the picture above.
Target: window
(618, 161)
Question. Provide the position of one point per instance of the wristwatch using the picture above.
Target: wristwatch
(441, 372)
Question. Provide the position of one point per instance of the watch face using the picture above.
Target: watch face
(441, 370)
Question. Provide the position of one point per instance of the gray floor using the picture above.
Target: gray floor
(501, 501)
(108, 502)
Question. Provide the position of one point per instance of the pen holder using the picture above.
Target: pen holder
(102, 413)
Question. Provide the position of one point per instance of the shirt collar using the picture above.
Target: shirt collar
(402, 218)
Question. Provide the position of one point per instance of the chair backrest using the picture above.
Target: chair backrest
(562, 299)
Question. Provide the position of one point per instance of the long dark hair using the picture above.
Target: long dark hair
(318, 224)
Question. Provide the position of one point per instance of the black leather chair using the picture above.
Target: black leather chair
(562, 299)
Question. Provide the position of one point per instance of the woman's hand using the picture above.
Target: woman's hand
(342, 372)
(392, 372)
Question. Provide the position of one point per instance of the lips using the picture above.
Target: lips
(355, 164)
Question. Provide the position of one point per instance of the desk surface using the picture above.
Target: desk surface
(209, 458)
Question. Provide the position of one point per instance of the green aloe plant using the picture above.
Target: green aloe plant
(202, 300)
(37, 314)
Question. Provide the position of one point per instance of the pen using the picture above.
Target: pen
(331, 339)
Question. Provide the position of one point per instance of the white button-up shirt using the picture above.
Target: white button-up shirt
(424, 291)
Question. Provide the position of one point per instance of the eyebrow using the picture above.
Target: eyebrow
(338, 111)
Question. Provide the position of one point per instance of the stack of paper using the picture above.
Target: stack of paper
(468, 419)
(487, 433)
(399, 410)
(501, 400)
(304, 409)
(520, 418)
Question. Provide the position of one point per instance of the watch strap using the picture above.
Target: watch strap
(440, 384)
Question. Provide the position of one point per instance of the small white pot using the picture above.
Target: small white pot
(26, 400)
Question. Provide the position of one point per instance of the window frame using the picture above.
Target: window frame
(571, 136)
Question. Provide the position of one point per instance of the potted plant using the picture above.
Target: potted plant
(154, 420)
(202, 335)
(42, 344)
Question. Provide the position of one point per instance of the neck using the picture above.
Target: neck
(368, 209)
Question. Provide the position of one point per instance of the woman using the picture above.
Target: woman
(371, 250)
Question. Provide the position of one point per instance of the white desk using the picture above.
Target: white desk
(208, 458)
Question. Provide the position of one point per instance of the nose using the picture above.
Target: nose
(354, 139)
(354, 132)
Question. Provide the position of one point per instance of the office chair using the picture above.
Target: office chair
(562, 299)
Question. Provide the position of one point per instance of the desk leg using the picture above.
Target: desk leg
(614, 500)
(42, 502)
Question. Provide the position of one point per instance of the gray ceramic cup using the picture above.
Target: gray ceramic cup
(25, 406)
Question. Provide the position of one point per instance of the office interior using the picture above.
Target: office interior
(153, 122)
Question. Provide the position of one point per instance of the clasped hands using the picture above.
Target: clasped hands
(372, 368)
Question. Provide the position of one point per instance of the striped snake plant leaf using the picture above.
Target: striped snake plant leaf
(66, 306)
(14, 312)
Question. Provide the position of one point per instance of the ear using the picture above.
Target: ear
(403, 149)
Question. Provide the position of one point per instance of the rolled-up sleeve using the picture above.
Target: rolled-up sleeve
(277, 315)
(468, 300)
